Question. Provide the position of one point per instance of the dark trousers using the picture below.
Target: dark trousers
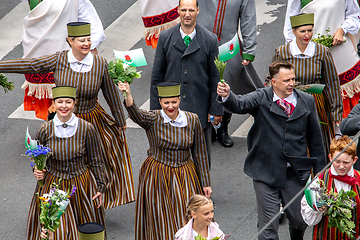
(268, 205)
(207, 134)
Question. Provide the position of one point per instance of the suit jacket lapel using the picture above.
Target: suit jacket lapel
(300, 109)
(194, 45)
(178, 41)
(180, 45)
(274, 108)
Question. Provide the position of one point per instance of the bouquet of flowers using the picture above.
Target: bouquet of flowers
(326, 40)
(8, 86)
(199, 237)
(53, 205)
(120, 71)
(38, 154)
(339, 207)
(220, 65)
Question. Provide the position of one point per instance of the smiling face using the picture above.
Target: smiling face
(170, 106)
(80, 46)
(283, 83)
(188, 12)
(303, 35)
(64, 107)
(343, 163)
(203, 215)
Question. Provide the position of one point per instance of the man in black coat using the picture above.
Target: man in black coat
(351, 126)
(190, 63)
(285, 130)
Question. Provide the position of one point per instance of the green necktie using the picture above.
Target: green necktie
(304, 3)
(33, 3)
(187, 40)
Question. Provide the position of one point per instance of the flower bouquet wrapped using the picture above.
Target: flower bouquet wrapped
(38, 154)
(121, 71)
(53, 205)
(8, 86)
(339, 207)
(220, 65)
(326, 40)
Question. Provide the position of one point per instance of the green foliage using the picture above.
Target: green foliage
(8, 86)
(122, 72)
(220, 65)
(339, 208)
(326, 40)
(199, 237)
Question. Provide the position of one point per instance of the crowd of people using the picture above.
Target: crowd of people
(173, 195)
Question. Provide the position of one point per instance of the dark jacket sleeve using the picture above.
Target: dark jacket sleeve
(350, 125)
(242, 104)
(214, 77)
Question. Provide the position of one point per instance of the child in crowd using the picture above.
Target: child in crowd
(341, 175)
(198, 220)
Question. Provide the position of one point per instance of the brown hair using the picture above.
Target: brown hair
(275, 67)
(197, 3)
(340, 144)
(194, 203)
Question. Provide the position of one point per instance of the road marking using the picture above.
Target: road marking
(11, 28)
(121, 35)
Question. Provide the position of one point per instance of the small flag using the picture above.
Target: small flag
(29, 143)
(134, 57)
(310, 196)
(229, 49)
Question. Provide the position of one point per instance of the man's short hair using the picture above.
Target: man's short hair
(197, 3)
(340, 144)
(274, 67)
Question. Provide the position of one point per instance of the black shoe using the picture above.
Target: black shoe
(222, 131)
(223, 138)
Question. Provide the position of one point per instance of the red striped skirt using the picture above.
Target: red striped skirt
(81, 209)
(120, 187)
(161, 200)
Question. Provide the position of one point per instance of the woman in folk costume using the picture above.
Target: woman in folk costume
(44, 32)
(169, 176)
(340, 176)
(314, 64)
(77, 160)
(342, 18)
(225, 18)
(79, 68)
(158, 16)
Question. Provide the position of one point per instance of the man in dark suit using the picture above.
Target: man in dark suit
(285, 129)
(185, 53)
(351, 126)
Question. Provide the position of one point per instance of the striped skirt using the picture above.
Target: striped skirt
(323, 108)
(162, 196)
(81, 209)
(120, 186)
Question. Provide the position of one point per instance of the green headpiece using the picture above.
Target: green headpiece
(91, 231)
(78, 29)
(302, 20)
(168, 89)
(64, 92)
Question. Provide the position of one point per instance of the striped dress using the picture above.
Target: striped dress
(321, 230)
(318, 69)
(169, 176)
(120, 187)
(78, 161)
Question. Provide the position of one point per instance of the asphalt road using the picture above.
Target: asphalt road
(233, 192)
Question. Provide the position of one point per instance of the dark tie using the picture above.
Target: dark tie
(286, 106)
(187, 40)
